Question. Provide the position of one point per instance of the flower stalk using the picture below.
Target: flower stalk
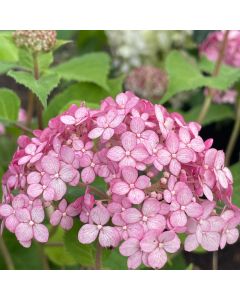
(6, 255)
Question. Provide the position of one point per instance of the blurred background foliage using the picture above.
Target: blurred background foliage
(90, 67)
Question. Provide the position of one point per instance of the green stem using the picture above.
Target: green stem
(234, 135)
(36, 76)
(6, 254)
(208, 99)
(215, 260)
(98, 261)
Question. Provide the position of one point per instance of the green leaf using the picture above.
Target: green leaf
(41, 87)
(217, 113)
(26, 60)
(9, 105)
(58, 254)
(79, 92)
(177, 262)
(83, 254)
(60, 43)
(184, 74)
(235, 169)
(113, 260)
(5, 66)
(7, 148)
(93, 67)
(8, 50)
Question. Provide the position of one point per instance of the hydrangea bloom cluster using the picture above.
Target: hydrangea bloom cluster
(35, 40)
(133, 48)
(211, 47)
(147, 82)
(162, 181)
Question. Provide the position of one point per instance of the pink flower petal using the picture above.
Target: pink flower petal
(149, 243)
(11, 223)
(34, 190)
(157, 259)
(120, 188)
(194, 210)
(50, 164)
(66, 222)
(136, 196)
(116, 153)
(150, 207)
(164, 157)
(129, 247)
(100, 215)
(40, 233)
(68, 120)
(178, 218)
(108, 237)
(24, 232)
(55, 217)
(87, 233)
(210, 241)
(129, 141)
(175, 167)
(37, 214)
(172, 142)
(142, 182)
(139, 153)
(5, 210)
(33, 177)
(108, 133)
(129, 174)
(185, 155)
(157, 222)
(67, 173)
(95, 133)
(88, 175)
(134, 260)
(190, 243)
(131, 215)
(59, 187)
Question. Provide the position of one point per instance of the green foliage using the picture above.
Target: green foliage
(9, 105)
(57, 253)
(113, 260)
(83, 254)
(176, 262)
(235, 169)
(216, 113)
(8, 50)
(93, 67)
(79, 92)
(184, 74)
(7, 148)
(23, 258)
(41, 87)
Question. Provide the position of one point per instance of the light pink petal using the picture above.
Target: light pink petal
(207, 192)
(120, 188)
(48, 194)
(172, 142)
(178, 218)
(175, 167)
(185, 155)
(157, 259)
(194, 210)
(149, 242)
(67, 173)
(117, 121)
(40, 233)
(131, 215)
(88, 175)
(210, 157)
(127, 161)
(108, 237)
(136, 196)
(33, 177)
(116, 153)
(164, 157)
(232, 236)
(137, 125)
(67, 154)
(190, 243)
(66, 222)
(219, 160)
(210, 241)
(142, 182)
(23, 215)
(108, 133)
(5, 210)
(216, 223)
(37, 214)
(63, 205)
(171, 245)
(157, 222)
(129, 174)
(81, 113)
(24, 232)
(95, 133)
(135, 231)
(197, 144)
(87, 233)
(55, 217)
(68, 120)
(129, 141)
(134, 260)
(100, 215)
(139, 153)
(222, 179)
(34, 190)
(184, 135)
(150, 207)
(11, 223)
(23, 160)
(59, 187)
(167, 196)
(50, 164)
(184, 196)
(129, 247)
